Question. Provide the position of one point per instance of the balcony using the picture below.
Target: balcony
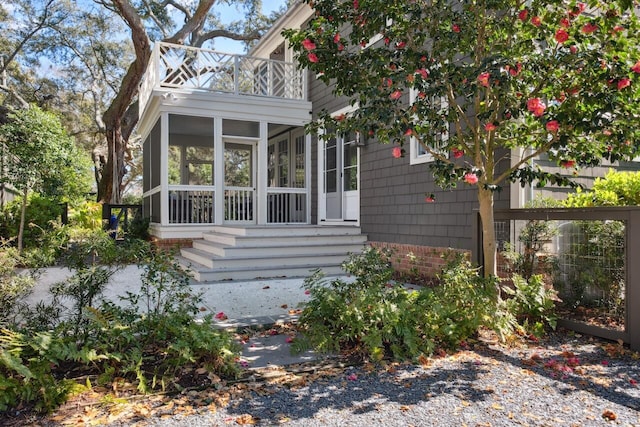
(188, 68)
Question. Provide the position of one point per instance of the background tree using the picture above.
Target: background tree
(75, 57)
(157, 21)
(42, 156)
(488, 78)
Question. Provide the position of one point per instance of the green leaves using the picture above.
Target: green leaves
(580, 78)
(373, 318)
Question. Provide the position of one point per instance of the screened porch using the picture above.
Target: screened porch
(217, 170)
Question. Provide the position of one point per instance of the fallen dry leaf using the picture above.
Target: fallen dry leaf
(609, 415)
(245, 419)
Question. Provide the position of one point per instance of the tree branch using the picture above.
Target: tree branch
(15, 94)
(192, 24)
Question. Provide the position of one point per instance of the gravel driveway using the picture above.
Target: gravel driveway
(570, 381)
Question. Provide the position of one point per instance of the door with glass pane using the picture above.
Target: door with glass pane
(340, 165)
(239, 182)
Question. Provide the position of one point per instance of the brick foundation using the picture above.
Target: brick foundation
(171, 243)
(414, 260)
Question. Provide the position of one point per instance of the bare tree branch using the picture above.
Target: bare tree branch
(192, 24)
(15, 94)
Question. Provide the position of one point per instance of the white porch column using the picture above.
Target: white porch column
(218, 162)
(262, 172)
(164, 169)
(307, 174)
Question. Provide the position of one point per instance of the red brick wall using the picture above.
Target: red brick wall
(171, 243)
(426, 261)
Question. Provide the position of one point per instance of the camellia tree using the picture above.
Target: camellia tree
(483, 86)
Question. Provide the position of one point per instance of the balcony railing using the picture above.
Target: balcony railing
(185, 67)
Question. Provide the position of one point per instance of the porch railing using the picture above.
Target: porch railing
(238, 204)
(191, 206)
(286, 206)
(186, 67)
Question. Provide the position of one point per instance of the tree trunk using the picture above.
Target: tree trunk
(485, 198)
(23, 215)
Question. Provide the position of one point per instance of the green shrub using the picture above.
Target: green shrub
(86, 214)
(463, 302)
(371, 318)
(25, 371)
(532, 303)
(615, 189)
(152, 338)
(41, 216)
(14, 286)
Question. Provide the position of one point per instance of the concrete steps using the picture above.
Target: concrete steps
(244, 253)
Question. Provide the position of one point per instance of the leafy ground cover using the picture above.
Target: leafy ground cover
(563, 379)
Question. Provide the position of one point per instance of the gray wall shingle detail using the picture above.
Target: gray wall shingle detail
(392, 193)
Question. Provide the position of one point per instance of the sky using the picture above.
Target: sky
(230, 13)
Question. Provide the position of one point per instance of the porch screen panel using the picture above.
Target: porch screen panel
(191, 169)
(155, 154)
(287, 194)
(283, 162)
(146, 164)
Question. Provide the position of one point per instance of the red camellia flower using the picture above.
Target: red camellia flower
(340, 47)
(536, 106)
(636, 67)
(308, 44)
(396, 152)
(589, 28)
(457, 153)
(455, 28)
(336, 38)
(624, 82)
(562, 35)
(312, 57)
(536, 21)
(424, 74)
(489, 127)
(401, 45)
(565, 23)
(408, 132)
(552, 126)
(568, 163)
(430, 198)
(514, 71)
(396, 94)
(356, 4)
(522, 15)
(483, 79)
(471, 178)
(573, 49)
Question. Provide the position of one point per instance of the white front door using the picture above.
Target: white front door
(339, 159)
(239, 182)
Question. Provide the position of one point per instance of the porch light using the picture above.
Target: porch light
(360, 142)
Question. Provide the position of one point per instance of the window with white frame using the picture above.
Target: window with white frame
(417, 153)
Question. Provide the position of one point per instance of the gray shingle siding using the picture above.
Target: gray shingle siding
(392, 193)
